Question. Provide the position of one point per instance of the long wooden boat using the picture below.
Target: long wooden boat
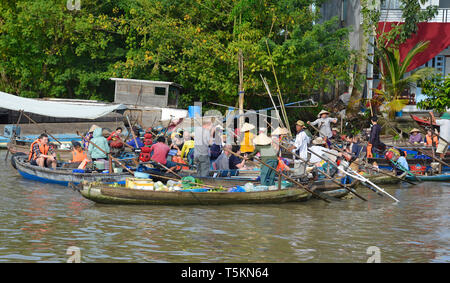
(433, 178)
(386, 164)
(24, 147)
(63, 176)
(380, 179)
(116, 195)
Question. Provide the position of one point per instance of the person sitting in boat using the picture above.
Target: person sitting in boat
(222, 162)
(234, 162)
(159, 152)
(41, 154)
(324, 124)
(335, 135)
(356, 148)
(374, 139)
(136, 142)
(415, 136)
(431, 139)
(79, 156)
(319, 148)
(444, 139)
(188, 146)
(100, 141)
(89, 135)
(269, 156)
(116, 134)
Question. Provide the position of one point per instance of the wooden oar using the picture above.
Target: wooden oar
(432, 157)
(168, 169)
(282, 175)
(342, 151)
(326, 175)
(132, 132)
(29, 118)
(14, 135)
(110, 156)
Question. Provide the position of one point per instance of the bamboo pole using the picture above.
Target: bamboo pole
(29, 118)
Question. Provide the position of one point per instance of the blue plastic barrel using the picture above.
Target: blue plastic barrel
(194, 111)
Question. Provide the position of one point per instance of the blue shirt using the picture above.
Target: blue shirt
(139, 142)
(404, 164)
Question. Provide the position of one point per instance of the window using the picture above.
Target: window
(160, 91)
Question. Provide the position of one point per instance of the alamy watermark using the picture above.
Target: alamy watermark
(74, 5)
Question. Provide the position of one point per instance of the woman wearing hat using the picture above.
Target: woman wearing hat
(324, 124)
(269, 156)
(415, 136)
(247, 142)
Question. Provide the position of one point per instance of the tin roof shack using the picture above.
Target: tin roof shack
(150, 102)
(146, 93)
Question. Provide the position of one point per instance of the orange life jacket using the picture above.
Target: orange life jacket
(43, 148)
(431, 141)
(78, 156)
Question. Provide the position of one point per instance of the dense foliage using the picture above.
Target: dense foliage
(437, 90)
(48, 50)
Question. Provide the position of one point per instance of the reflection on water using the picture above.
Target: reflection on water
(40, 221)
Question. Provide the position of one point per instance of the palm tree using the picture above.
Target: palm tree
(393, 78)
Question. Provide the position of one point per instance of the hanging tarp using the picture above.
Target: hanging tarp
(57, 109)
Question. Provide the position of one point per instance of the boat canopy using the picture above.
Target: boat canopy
(58, 109)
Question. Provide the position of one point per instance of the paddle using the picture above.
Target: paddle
(110, 156)
(326, 175)
(282, 175)
(14, 134)
(384, 173)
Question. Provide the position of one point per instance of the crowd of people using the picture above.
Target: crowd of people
(206, 148)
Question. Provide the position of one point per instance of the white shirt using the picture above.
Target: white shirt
(321, 151)
(301, 144)
(445, 128)
(324, 126)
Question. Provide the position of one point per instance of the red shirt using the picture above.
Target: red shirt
(160, 151)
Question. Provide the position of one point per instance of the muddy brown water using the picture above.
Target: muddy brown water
(39, 222)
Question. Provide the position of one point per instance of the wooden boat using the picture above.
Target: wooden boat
(24, 147)
(62, 176)
(386, 164)
(422, 122)
(433, 178)
(380, 179)
(113, 195)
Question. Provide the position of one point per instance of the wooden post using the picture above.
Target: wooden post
(241, 88)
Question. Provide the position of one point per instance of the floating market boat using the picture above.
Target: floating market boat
(432, 178)
(24, 147)
(62, 176)
(102, 193)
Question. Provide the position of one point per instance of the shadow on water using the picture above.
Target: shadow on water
(41, 221)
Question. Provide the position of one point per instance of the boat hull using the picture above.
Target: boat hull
(110, 195)
(63, 176)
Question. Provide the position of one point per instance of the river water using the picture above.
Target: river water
(39, 222)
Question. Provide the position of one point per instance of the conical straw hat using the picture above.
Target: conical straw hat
(247, 127)
(318, 141)
(262, 139)
(414, 130)
(93, 127)
(322, 112)
(280, 131)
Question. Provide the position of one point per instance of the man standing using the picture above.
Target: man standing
(41, 153)
(374, 139)
(444, 123)
(300, 147)
(203, 139)
(324, 124)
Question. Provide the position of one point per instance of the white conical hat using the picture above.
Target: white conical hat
(414, 130)
(318, 141)
(280, 131)
(262, 139)
(247, 127)
(322, 112)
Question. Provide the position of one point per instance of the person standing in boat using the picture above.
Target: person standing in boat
(203, 139)
(268, 155)
(374, 139)
(444, 141)
(415, 136)
(41, 154)
(100, 141)
(300, 147)
(324, 123)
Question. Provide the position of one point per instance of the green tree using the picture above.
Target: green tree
(394, 79)
(437, 90)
